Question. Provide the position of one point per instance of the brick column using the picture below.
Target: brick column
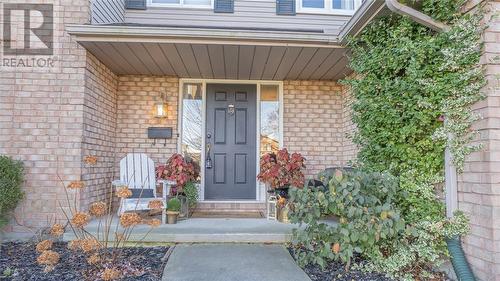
(479, 185)
(51, 118)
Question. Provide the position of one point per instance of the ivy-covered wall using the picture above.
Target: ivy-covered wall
(479, 184)
(410, 80)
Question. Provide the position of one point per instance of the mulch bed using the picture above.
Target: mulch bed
(137, 263)
(335, 271)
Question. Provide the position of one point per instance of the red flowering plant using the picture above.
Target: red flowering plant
(178, 169)
(281, 170)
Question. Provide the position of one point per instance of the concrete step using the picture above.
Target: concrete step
(230, 207)
(227, 214)
(203, 230)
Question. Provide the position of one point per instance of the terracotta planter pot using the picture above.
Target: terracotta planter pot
(172, 217)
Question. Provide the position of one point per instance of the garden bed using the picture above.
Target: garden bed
(335, 271)
(18, 262)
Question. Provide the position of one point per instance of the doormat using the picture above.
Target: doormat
(228, 214)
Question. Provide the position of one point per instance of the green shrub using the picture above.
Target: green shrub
(191, 192)
(11, 179)
(370, 225)
(174, 204)
(421, 248)
(368, 220)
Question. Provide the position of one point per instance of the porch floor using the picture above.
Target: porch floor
(208, 230)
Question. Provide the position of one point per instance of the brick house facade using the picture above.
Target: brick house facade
(51, 120)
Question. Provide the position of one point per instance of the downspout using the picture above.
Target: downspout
(458, 258)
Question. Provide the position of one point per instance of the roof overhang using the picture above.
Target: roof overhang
(213, 54)
(248, 54)
(366, 12)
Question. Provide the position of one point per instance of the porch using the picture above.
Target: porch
(291, 100)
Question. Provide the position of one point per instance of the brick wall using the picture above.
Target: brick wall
(41, 119)
(99, 130)
(479, 185)
(313, 119)
(137, 96)
(313, 122)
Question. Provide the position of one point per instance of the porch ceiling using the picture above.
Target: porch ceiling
(258, 61)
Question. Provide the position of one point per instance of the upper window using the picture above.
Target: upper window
(340, 7)
(191, 120)
(181, 3)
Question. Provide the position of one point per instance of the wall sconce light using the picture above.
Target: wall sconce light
(161, 107)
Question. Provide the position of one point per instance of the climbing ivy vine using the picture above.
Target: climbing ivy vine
(412, 92)
(410, 79)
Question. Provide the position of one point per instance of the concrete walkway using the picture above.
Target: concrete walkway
(232, 262)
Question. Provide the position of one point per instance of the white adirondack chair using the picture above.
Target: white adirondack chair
(137, 172)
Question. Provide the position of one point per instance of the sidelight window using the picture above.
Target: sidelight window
(269, 119)
(192, 120)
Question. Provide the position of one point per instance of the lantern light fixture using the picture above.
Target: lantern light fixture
(161, 107)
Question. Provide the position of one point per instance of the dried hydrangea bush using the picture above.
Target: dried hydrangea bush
(103, 248)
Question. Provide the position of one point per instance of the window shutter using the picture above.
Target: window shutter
(285, 7)
(224, 6)
(135, 4)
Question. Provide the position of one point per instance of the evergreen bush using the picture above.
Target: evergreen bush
(11, 180)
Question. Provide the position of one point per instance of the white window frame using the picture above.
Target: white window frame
(328, 9)
(181, 5)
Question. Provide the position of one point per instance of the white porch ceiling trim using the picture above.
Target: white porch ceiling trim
(108, 33)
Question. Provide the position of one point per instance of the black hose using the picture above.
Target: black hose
(459, 261)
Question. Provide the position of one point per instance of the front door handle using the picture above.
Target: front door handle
(208, 159)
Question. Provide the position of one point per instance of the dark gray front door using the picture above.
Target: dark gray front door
(230, 137)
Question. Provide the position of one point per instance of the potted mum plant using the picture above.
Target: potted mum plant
(280, 171)
(173, 210)
(184, 172)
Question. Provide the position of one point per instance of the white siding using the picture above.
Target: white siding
(108, 11)
(247, 14)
